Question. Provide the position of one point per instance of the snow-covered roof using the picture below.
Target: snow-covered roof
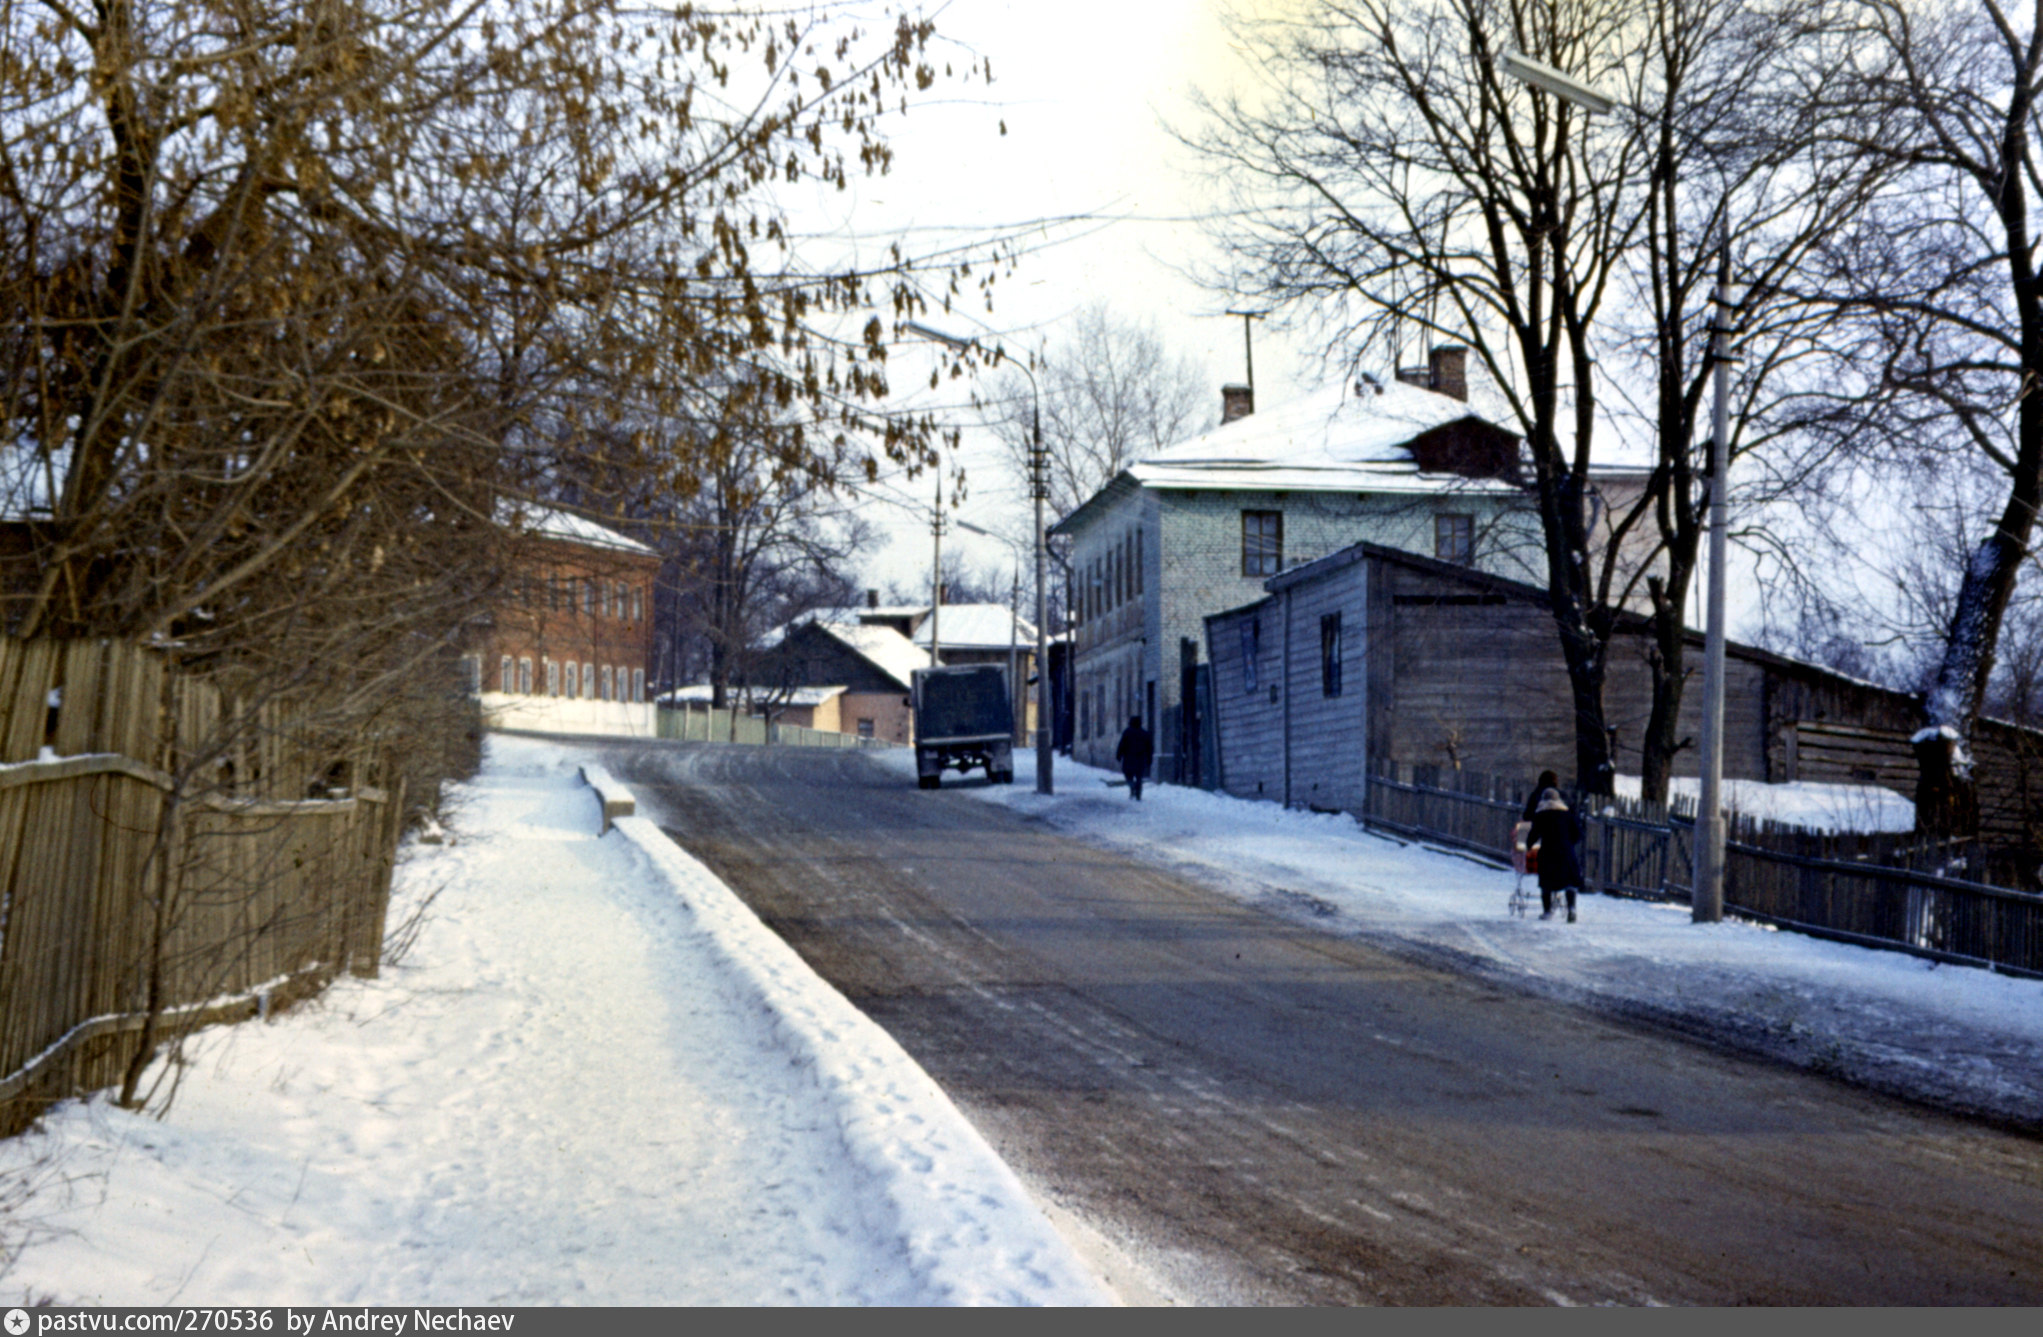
(701, 694)
(1332, 430)
(887, 649)
(977, 627)
(549, 523)
(1342, 438)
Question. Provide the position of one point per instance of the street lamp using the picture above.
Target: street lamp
(1707, 899)
(1039, 475)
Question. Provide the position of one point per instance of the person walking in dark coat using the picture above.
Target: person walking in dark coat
(1547, 780)
(1557, 835)
(1134, 752)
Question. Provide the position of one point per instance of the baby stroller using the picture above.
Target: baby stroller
(1524, 860)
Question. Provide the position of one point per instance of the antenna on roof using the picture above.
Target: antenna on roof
(1248, 351)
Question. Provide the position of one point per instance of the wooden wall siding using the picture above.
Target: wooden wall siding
(265, 892)
(1477, 680)
(1251, 723)
(1327, 737)
(1460, 673)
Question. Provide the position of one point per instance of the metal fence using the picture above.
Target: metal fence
(701, 724)
(1789, 879)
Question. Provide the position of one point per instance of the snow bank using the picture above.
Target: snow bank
(973, 1233)
(1810, 804)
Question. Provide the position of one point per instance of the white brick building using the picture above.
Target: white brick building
(1197, 529)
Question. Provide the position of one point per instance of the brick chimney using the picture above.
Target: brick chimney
(1450, 371)
(872, 598)
(1236, 401)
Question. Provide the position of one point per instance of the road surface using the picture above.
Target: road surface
(1248, 1111)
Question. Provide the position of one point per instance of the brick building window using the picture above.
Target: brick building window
(588, 680)
(1262, 543)
(609, 687)
(574, 680)
(638, 684)
(525, 676)
(865, 728)
(1454, 538)
(552, 678)
(638, 608)
(1330, 655)
(506, 676)
(589, 597)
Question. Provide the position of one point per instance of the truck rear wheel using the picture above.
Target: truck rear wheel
(1000, 777)
(926, 781)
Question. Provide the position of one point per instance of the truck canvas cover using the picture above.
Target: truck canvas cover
(965, 705)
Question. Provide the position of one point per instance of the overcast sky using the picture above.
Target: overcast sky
(1086, 91)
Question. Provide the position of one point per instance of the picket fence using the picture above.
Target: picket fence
(160, 864)
(703, 724)
(1869, 889)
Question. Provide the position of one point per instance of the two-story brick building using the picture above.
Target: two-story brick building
(567, 648)
(1200, 526)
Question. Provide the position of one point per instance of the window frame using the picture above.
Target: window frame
(1330, 654)
(1461, 542)
(1262, 544)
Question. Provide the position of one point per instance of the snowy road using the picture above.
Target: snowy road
(1251, 1108)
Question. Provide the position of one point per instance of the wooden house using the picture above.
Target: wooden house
(1375, 654)
(1199, 527)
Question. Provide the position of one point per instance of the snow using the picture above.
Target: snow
(1962, 1036)
(887, 649)
(977, 627)
(543, 520)
(1810, 804)
(595, 1079)
(1333, 438)
(701, 694)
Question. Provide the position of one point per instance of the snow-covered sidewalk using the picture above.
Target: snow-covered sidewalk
(596, 1079)
(1954, 1034)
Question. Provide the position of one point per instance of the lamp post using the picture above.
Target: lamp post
(1039, 475)
(1707, 899)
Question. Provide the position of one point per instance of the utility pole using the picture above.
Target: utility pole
(1708, 898)
(936, 569)
(1039, 488)
(1016, 688)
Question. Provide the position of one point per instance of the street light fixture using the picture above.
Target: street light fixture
(1039, 475)
(1707, 899)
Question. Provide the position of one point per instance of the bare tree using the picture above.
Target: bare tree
(293, 294)
(1387, 173)
(1725, 103)
(1112, 392)
(1940, 279)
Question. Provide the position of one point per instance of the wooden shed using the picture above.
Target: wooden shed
(1378, 654)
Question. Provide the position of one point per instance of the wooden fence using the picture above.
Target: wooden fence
(156, 834)
(703, 724)
(1854, 888)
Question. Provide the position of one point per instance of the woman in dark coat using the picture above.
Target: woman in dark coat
(1547, 780)
(1558, 838)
